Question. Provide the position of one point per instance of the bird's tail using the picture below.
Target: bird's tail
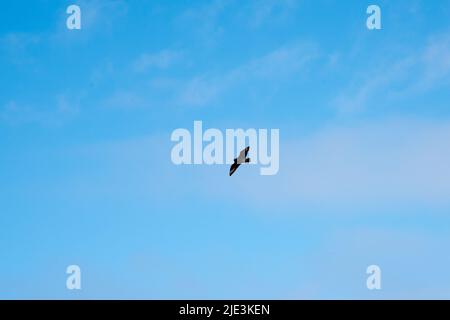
(247, 160)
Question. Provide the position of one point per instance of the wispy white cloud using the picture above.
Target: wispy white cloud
(199, 91)
(17, 45)
(160, 60)
(436, 60)
(278, 64)
(394, 79)
(338, 169)
(203, 89)
(259, 12)
(60, 109)
(17, 41)
(102, 13)
(124, 99)
(204, 19)
(207, 19)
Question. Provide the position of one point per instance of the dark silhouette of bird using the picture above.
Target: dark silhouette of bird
(242, 158)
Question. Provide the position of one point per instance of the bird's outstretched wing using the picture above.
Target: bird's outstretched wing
(233, 167)
(242, 158)
(243, 154)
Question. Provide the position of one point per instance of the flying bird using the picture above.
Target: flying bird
(241, 159)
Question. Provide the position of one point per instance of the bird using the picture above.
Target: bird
(242, 158)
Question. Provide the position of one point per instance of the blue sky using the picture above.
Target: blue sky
(86, 176)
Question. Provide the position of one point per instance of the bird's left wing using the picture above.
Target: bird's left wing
(246, 151)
